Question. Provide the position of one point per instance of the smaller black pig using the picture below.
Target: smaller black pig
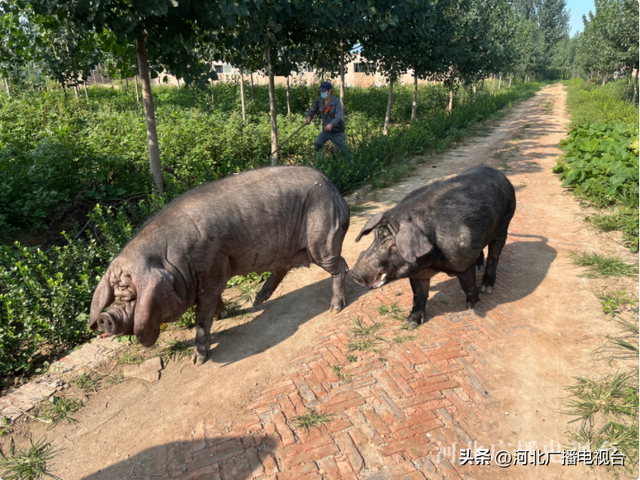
(442, 227)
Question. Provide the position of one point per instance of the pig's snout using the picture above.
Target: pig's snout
(115, 321)
(106, 323)
(358, 276)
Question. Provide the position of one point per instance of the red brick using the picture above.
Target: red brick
(351, 451)
(346, 471)
(297, 403)
(318, 371)
(330, 469)
(419, 429)
(340, 407)
(298, 472)
(404, 386)
(310, 455)
(305, 436)
(337, 425)
(287, 407)
(390, 385)
(293, 450)
(400, 363)
(208, 471)
(376, 421)
(253, 459)
(269, 463)
(285, 432)
(329, 357)
(362, 383)
(337, 353)
(416, 444)
(365, 438)
(438, 387)
(417, 356)
(419, 399)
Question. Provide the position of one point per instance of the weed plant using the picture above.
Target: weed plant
(29, 464)
(600, 159)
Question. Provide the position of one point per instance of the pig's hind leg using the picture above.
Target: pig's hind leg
(269, 287)
(468, 283)
(418, 314)
(209, 306)
(495, 249)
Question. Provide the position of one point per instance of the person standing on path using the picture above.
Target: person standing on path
(332, 115)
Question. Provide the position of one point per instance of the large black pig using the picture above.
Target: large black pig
(442, 227)
(265, 220)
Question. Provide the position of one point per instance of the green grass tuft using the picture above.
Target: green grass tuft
(312, 419)
(29, 464)
(60, 409)
(393, 311)
(604, 266)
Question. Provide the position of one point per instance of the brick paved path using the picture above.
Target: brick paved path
(405, 408)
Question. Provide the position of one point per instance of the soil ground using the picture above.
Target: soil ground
(494, 377)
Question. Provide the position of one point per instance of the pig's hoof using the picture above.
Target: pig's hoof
(258, 301)
(198, 359)
(471, 305)
(333, 309)
(486, 288)
(409, 325)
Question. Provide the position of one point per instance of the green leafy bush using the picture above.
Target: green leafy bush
(600, 159)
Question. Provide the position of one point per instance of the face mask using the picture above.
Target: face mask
(324, 94)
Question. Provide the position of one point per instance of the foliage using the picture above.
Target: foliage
(59, 409)
(604, 266)
(600, 160)
(312, 419)
(29, 464)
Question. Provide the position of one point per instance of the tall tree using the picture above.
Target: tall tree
(165, 33)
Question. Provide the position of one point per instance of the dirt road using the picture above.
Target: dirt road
(493, 377)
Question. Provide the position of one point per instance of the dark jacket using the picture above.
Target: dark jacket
(332, 113)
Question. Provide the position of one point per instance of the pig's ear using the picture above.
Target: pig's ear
(370, 225)
(157, 303)
(411, 242)
(102, 298)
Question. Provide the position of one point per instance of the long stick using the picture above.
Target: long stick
(290, 137)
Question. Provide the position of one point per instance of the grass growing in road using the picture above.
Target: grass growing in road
(362, 344)
(86, 383)
(604, 266)
(29, 464)
(60, 409)
(394, 311)
(176, 350)
(616, 301)
(311, 419)
(338, 370)
(607, 407)
(400, 339)
(355, 209)
(361, 330)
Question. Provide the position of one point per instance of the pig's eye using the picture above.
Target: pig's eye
(382, 233)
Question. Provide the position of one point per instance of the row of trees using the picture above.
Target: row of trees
(448, 40)
(609, 43)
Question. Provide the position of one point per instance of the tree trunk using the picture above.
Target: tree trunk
(493, 83)
(414, 107)
(64, 89)
(342, 74)
(135, 79)
(149, 114)
(126, 81)
(635, 90)
(387, 118)
(499, 82)
(288, 99)
(252, 97)
(244, 110)
(604, 80)
(273, 112)
(75, 91)
(213, 105)
(475, 89)
(626, 98)
(86, 94)
(178, 85)
(6, 85)
(451, 97)
(510, 78)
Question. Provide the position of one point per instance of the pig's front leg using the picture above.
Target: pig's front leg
(418, 314)
(208, 308)
(468, 284)
(269, 287)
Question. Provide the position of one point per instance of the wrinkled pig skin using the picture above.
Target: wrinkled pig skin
(266, 220)
(442, 227)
